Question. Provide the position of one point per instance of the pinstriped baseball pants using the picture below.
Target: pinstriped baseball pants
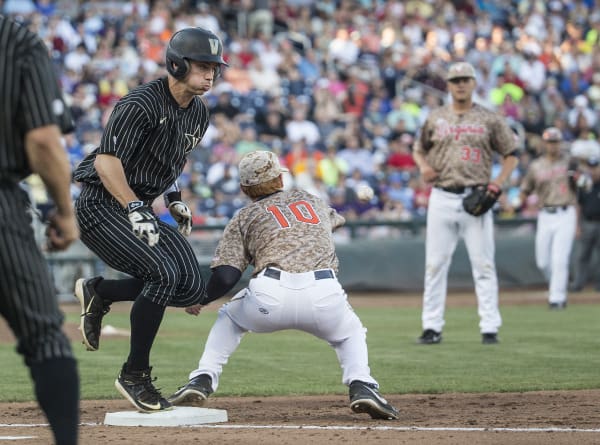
(27, 294)
(170, 270)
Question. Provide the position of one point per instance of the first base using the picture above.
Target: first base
(178, 416)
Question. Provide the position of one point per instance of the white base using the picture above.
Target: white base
(178, 416)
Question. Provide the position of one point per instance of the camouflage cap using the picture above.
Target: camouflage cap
(460, 69)
(552, 134)
(258, 167)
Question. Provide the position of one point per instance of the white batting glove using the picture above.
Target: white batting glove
(143, 222)
(182, 215)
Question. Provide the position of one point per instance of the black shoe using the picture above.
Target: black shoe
(557, 306)
(489, 338)
(194, 393)
(365, 398)
(430, 337)
(93, 309)
(137, 387)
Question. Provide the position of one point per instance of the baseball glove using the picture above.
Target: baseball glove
(481, 199)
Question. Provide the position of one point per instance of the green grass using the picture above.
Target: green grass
(539, 350)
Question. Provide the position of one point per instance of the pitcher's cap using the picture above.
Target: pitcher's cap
(258, 167)
(460, 69)
(552, 134)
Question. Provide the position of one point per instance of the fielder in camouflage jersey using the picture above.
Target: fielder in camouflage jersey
(454, 152)
(551, 178)
(287, 237)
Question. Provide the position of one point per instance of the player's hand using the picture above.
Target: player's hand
(428, 173)
(61, 231)
(194, 310)
(182, 215)
(143, 222)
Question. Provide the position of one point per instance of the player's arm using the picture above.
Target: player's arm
(221, 281)
(45, 116)
(421, 144)
(111, 173)
(49, 160)
(509, 163)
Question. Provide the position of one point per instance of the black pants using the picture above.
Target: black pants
(27, 294)
(170, 270)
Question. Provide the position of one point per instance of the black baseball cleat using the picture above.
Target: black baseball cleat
(137, 387)
(489, 338)
(430, 337)
(365, 398)
(194, 393)
(93, 309)
(557, 306)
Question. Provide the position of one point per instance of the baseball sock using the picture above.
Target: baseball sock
(126, 289)
(56, 384)
(145, 318)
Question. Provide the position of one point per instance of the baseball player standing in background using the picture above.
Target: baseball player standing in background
(143, 151)
(550, 177)
(31, 120)
(454, 152)
(287, 237)
(588, 228)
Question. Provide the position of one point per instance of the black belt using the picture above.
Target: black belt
(554, 209)
(456, 190)
(319, 274)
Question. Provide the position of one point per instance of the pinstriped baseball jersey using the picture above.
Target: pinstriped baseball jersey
(460, 146)
(30, 96)
(288, 230)
(550, 182)
(152, 136)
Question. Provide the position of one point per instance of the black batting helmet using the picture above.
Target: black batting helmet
(195, 44)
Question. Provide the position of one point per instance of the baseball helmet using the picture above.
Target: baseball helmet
(552, 134)
(195, 44)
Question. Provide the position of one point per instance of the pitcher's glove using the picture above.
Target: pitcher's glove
(143, 222)
(481, 199)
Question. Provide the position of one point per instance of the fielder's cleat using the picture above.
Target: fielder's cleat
(194, 393)
(365, 398)
(137, 387)
(430, 337)
(557, 306)
(489, 338)
(93, 309)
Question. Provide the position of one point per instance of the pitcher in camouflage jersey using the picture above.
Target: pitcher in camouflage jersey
(548, 178)
(287, 237)
(454, 152)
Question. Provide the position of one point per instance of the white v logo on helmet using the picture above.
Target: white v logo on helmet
(214, 46)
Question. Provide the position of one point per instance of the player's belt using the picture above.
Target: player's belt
(554, 209)
(319, 274)
(456, 189)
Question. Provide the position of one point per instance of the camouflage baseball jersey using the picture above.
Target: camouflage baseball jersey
(549, 181)
(288, 230)
(460, 146)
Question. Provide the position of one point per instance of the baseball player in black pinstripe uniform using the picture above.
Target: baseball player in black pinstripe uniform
(32, 117)
(143, 151)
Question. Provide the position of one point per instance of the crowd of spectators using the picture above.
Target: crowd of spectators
(337, 88)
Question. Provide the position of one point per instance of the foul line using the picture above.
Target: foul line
(342, 427)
